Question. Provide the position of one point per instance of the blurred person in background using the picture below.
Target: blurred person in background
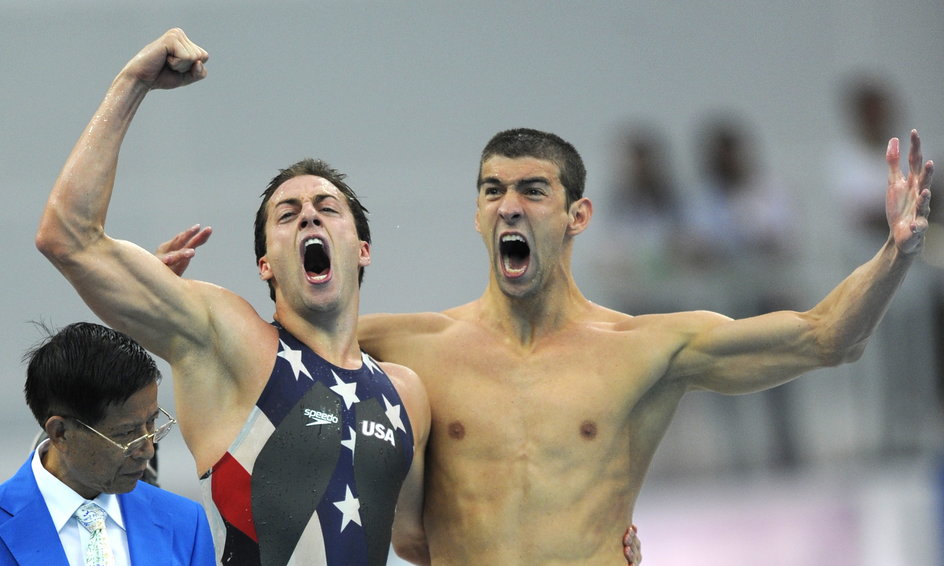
(645, 235)
(743, 231)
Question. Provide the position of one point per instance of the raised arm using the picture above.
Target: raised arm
(739, 356)
(124, 284)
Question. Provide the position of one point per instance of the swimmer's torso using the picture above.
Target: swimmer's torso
(537, 456)
(313, 476)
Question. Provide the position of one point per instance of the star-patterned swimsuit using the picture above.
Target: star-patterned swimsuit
(313, 476)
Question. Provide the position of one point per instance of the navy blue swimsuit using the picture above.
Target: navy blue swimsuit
(314, 475)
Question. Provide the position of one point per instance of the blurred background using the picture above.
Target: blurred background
(735, 156)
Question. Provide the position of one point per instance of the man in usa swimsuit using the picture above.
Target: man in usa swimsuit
(252, 395)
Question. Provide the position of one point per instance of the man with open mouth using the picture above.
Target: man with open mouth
(547, 409)
(306, 447)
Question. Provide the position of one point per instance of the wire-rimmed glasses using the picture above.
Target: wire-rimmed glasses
(136, 444)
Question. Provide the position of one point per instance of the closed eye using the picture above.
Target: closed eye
(128, 435)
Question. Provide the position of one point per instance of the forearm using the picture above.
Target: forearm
(847, 317)
(75, 212)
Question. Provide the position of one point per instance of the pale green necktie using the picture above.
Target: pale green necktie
(98, 552)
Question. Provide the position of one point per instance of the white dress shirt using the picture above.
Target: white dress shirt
(62, 503)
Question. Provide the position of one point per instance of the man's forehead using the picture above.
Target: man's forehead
(138, 408)
(512, 169)
(305, 185)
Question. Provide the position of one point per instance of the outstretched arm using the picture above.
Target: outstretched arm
(123, 283)
(760, 352)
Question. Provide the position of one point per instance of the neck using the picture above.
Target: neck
(334, 338)
(537, 314)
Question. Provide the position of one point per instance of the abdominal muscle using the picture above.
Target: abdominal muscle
(561, 502)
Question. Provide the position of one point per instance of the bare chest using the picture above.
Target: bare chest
(571, 395)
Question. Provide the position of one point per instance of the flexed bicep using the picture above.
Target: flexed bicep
(133, 291)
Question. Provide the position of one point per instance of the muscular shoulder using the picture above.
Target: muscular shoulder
(379, 334)
(403, 378)
(686, 323)
(663, 336)
(221, 312)
(413, 393)
(421, 322)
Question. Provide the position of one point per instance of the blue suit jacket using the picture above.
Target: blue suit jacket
(163, 528)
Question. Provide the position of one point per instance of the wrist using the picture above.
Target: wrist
(123, 96)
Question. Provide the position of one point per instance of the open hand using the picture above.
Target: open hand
(177, 252)
(908, 199)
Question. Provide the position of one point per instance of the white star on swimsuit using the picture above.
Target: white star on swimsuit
(369, 363)
(350, 509)
(349, 443)
(347, 391)
(393, 413)
(294, 357)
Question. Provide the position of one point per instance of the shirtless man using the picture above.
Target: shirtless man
(547, 408)
(302, 442)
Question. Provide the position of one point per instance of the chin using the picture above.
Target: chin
(518, 289)
(126, 483)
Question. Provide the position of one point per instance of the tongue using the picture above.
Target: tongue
(515, 265)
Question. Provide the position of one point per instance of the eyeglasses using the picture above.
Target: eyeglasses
(136, 444)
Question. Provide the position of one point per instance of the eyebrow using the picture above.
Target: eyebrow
(525, 181)
(294, 201)
(287, 201)
(323, 197)
(136, 424)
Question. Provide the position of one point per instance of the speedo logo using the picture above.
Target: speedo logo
(320, 418)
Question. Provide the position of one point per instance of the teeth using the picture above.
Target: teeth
(512, 238)
(314, 241)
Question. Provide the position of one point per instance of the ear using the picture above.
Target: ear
(265, 271)
(580, 212)
(56, 428)
(364, 259)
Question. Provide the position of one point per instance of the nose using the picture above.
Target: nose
(309, 217)
(144, 450)
(510, 207)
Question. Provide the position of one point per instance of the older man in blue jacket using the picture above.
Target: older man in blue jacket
(94, 392)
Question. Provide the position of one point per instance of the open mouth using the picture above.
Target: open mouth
(317, 261)
(515, 254)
